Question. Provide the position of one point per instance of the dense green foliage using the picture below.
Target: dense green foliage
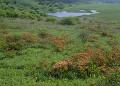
(52, 19)
(69, 21)
(28, 8)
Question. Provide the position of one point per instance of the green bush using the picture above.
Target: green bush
(52, 9)
(69, 20)
(43, 14)
(52, 19)
(43, 34)
(3, 13)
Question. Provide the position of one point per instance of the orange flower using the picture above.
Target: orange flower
(46, 64)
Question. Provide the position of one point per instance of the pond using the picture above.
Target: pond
(68, 14)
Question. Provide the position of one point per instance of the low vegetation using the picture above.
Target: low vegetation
(50, 51)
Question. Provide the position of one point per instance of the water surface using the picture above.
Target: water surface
(67, 14)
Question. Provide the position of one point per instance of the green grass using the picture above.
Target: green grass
(20, 69)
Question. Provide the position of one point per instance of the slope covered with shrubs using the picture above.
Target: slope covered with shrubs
(59, 52)
(68, 51)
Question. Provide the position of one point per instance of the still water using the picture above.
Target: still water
(67, 14)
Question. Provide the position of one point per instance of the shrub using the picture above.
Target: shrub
(52, 9)
(3, 31)
(83, 36)
(11, 42)
(91, 39)
(43, 14)
(86, 64)
(77, 64)
(58, 43)
(51, 19)
(43, 34)
(12, 14)
(3, 13)
(40, 69)
(104, 33)
(28, 38)
(69, 20)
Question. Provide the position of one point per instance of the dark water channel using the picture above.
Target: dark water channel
(68, 14)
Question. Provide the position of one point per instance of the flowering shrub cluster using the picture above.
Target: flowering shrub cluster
(86, 63)
(104, 33)
(95, 36)
(28, 38)
(58, 42)
(92, 84)
(3, 31)
(11, 43)
(78, 63)
(91, 39)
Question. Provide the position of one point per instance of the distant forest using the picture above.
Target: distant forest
(83, 1)
(65, 1)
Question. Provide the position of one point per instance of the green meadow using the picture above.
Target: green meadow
(72, 51)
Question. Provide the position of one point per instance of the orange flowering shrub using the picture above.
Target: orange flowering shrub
(95, 36)
(92, 84)
(110, 35)
(58, 42)
(3, 31)
(104, 33)
(91, 39)
(28, 38)
(77, 63)
(11, 43)
(86, 63)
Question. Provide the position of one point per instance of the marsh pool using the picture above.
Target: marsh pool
(68, 14)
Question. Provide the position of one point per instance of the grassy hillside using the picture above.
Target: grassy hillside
(70, 51)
